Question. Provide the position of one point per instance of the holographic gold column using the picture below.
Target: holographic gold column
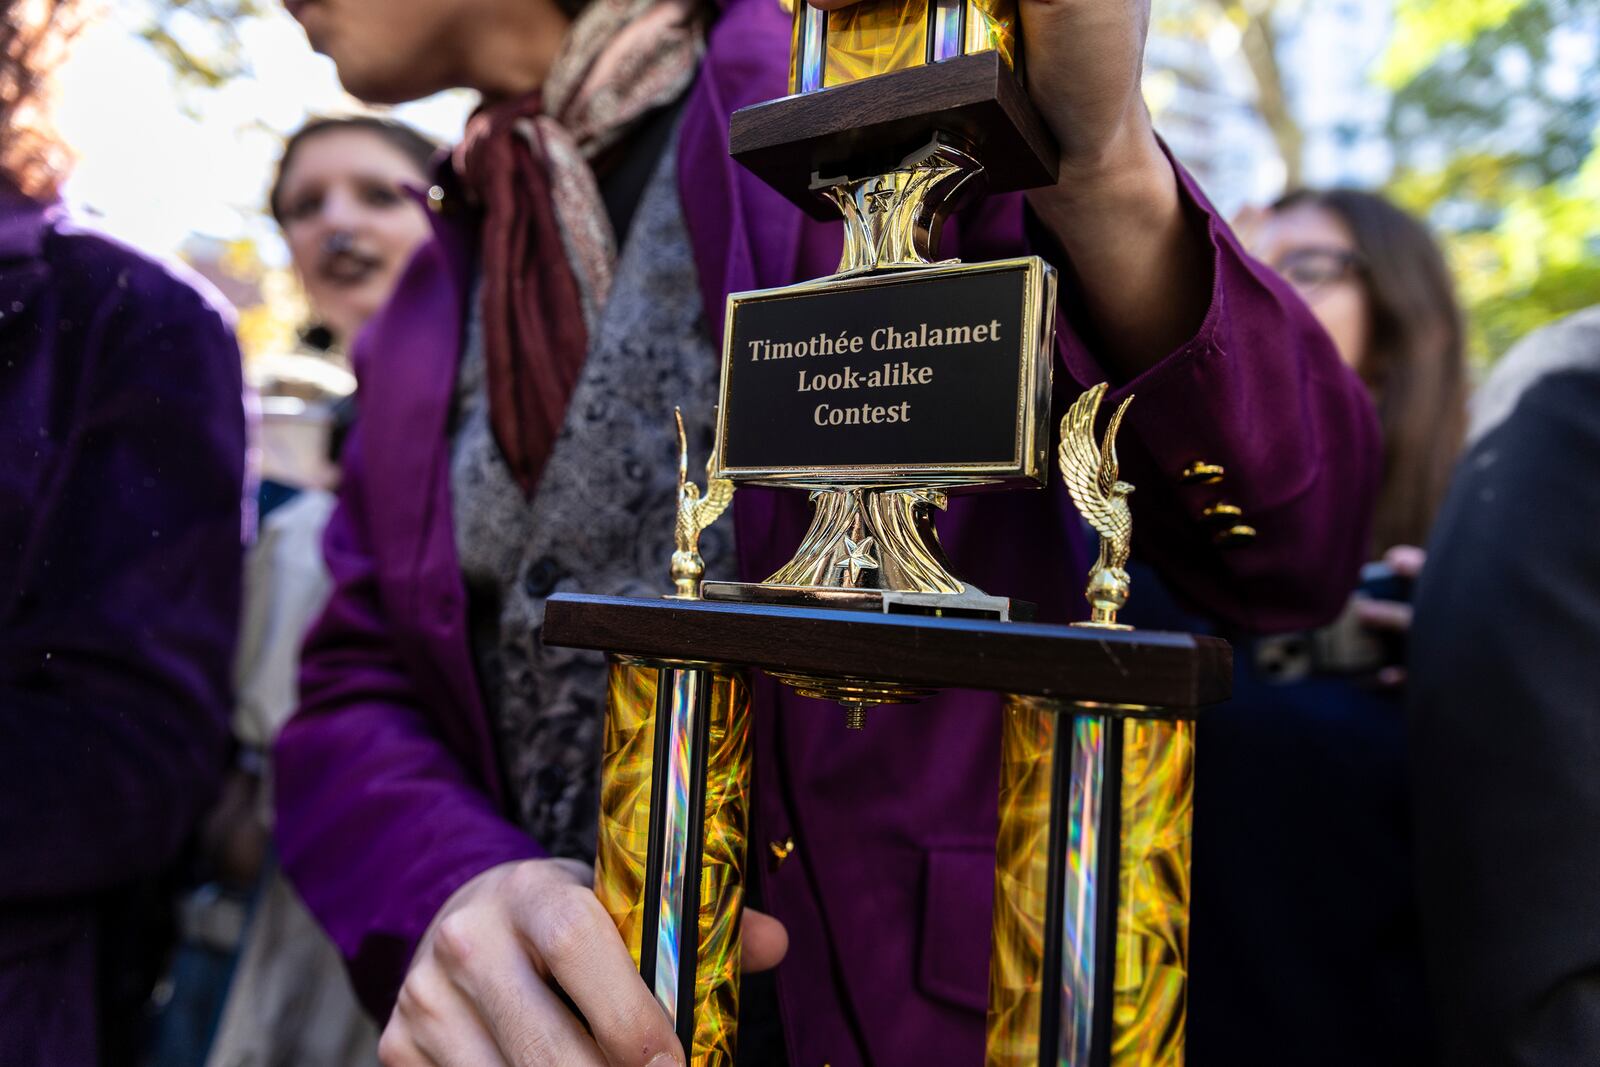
(882, 36)
(675, 848)
(949, 23)
(1152, 926)
(808, 48)
(1017, 982)
(1080, 903)
(628, 749)
(875, 37)
(992, 26)
(716, 980)
(1042, 967)
(674, 799)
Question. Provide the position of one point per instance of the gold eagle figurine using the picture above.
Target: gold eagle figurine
(1090, 471)
(694, 515)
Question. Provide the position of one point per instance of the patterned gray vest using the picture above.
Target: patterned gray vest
(601, 520)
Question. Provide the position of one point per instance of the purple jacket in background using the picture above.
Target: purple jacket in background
(389, 793)
(122, 460)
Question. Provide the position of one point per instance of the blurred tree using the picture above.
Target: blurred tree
(1493, 126)
(1255, 23)
(1493, 123)
(200, 38)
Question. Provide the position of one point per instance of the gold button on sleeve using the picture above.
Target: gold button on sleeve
(1201, 473)
(1234, 536)
(1222, 511)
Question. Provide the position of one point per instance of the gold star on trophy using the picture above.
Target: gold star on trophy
(858, 558)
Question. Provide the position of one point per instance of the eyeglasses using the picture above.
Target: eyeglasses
(1313, 269)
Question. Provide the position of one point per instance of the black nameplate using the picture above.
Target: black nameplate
(940, 373)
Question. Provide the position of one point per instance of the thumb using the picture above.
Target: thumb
(763, 940)
(1406, 560)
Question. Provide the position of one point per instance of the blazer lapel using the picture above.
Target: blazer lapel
(407, 361)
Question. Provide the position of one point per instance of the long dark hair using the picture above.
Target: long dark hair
(1415, 362)
(402, 138)
(32, 158)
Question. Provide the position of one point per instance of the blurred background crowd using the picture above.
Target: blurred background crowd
(1424, 174)
(1476, 115)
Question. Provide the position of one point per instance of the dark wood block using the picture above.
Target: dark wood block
(868, 126)
(1179, 672)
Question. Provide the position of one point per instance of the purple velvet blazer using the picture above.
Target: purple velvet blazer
(122, 458)
(389, 794)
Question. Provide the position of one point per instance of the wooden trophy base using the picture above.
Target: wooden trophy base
(1096, 779)
(1116, 670)
(868, 126)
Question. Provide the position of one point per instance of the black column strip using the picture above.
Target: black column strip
(1108, 890)
(694, 851)
(1055, 885)
(654, 859)
(822, 61)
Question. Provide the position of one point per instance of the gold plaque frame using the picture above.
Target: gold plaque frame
(1027, 466)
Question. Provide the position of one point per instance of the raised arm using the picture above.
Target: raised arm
(1229, 366)
(1117, 210)
(1257, 393)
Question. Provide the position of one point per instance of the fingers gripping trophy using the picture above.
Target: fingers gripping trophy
(899, 112)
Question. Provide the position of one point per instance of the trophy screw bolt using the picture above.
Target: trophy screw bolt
(855, 716)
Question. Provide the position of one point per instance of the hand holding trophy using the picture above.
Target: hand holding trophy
(1084, 59)
(879, 391)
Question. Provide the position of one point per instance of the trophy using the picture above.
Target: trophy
(879, 391)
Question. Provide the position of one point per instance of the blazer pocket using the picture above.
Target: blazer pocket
(957, 903)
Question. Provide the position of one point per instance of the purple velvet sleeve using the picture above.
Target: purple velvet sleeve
(1258, 390)
(115, 651)
(378, 821)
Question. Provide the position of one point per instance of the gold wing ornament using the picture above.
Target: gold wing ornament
(694, 515)
(1090, 471)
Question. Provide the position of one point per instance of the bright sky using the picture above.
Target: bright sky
(151, 173)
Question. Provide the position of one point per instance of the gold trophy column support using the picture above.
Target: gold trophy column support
(1043, 964)
(1150, 986)
(1090, 949)
(674, 805)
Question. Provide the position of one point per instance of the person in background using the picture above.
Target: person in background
(1504, 707)
(341, 196)
(122, 511)
(1304, 940)
(437, 788)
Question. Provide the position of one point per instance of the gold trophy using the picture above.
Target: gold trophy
(879, 391)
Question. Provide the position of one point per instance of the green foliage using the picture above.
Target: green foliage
(199, 39)
(1494, 120)
(1425, 28)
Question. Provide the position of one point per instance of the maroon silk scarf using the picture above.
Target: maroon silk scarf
(534, 335)
(548, 249)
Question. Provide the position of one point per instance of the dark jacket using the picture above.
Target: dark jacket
(122, 459)
(1505, 718)
(1303, 916)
